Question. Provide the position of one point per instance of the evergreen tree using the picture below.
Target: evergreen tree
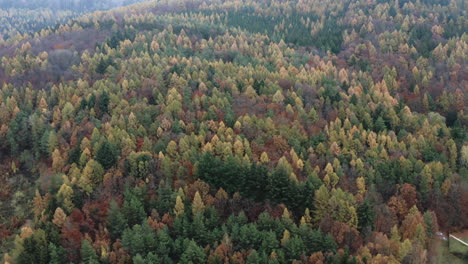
(140, 239)
(365, 215)
(57, 254)
(253, 258)
(116, 221)
(107, 155)
(133, 210)
(88, 254)
(102, 66)
(165, 244)
(193, 254)
(104, 103)
(278, 184)
(35, 249)
(294, 248)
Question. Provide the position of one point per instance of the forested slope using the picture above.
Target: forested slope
(21, 18)
(236, 132)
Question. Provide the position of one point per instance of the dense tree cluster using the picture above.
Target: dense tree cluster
(19, 19)
(75, 5)
(16, 22)
(235, 132)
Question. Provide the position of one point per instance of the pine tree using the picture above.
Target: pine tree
(116, 221)
(102, 66)
(193, 254)
(57, 254)
(165, 244)
(57, 161)
(52, 141)
(425, 181)
(253, 258)
(279, 185)
(294, 248)
(452, 148)
(133, 210)
(107, 155)
(140, 239)
(179, 206)
(269, 242)
(286, 237)
(198, 207)
(59, 217)
(65, 196)
(35, 249)
(264, 158)
(380, 124)
(321, 199)
(88, 254)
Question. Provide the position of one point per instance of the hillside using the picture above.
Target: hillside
(233, 131)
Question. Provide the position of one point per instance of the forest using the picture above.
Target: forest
(233, 131)
(72, 5)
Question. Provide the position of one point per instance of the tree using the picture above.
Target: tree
(338, 205)
(57, 161)
(425, 181)
(269, 242)
(133, 210)
(91, 176)
(52, 141)
(179, 206)
(193, 254)
(88, 254)
(107, 155)
(452, 148)
(279, 183)
(59, 217)
(116, 221)
(254, 184)
(380, 124)
(278, 97)
(253, 258)
(104, 103)
(57, 254)
(140, 239)
(102, 66)
(165, 244)
(198, 207)
(286, 237)
(425, 102)
(67, 112)
(365, 215)
(464, 156)
(171, 149)
(459, 99)
(294, 248)
(321, 198)
(264, 158)
(35, 249)
(64, 196)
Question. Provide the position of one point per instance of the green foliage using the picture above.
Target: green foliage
(365, 215)
(229, 174)
(183, 132)
(19, 135)
(57, 254)
(35, 249)
(193, 254)
(116, 221)
(107, 155)
(88, 255)
(421, 37)
(140, 239)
